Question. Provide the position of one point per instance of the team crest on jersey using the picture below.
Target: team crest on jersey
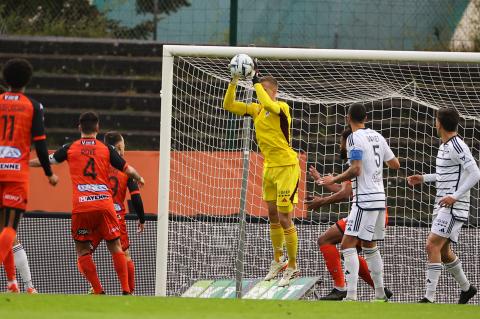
(117, 207)
(88, 142)
(92, 198)
(10, 166)
(10, 152)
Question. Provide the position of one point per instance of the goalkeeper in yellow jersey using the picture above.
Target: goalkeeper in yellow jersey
(281, 170)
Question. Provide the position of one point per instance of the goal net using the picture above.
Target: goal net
(211, 168)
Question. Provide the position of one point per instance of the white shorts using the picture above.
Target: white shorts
(366, 225)
(445, 225)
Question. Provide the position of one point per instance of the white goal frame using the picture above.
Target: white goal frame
(171, 51)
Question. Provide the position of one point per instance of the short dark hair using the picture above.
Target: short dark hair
(112, 138)
(357, 112)
(269, 78)
(346, 132)
(17, 73)
(449, 118)
(88, 122)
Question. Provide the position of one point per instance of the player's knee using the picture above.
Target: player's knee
(114, 246)
(432, 247)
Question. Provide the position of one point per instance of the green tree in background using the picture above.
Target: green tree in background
(76, 18)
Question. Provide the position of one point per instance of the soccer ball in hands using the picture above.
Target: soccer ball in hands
(242, 67)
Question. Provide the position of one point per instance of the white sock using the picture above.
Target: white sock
(350, 259)
(433, 274)
(375, 265)
(21, 262)
(455, 268)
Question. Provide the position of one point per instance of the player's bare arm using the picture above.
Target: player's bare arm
(53, 179)
(132, 172)
(317, 178)
(344, 193)
(354, 170)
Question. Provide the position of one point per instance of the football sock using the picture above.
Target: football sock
(131, 274)
(456, 270)
(278, 239)
(433, 274)
(21, 262)
(120, 265)
(7, 237)
(350, 258)
(291, 242)
(9, 266)
(334, 265)
(364, 272)
(89, 270)
(375, 265)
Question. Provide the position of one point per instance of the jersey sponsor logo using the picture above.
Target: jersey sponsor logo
(10, 152)
(88, 142)
(12, 197)
(92, 198)
(117, 207)
(10, 166)
(11, 97)
(92, 188)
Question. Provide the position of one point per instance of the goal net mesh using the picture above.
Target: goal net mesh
(206, 165)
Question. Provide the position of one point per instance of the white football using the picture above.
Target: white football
(242, 67)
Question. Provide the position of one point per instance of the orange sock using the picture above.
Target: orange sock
(364, 272)
(131, 274)
(89, 270)
(9, 265)
(120, 264)
(7, 236)
(80, 268)
(334, 264)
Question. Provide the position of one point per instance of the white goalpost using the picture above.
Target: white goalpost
(211, 220)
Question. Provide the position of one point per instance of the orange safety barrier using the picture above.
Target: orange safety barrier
(200, 183)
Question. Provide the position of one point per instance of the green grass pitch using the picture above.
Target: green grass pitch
(112, 307)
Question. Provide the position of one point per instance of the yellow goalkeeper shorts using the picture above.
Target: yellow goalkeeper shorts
(280, 184)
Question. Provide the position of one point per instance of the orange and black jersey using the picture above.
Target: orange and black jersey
(89, 161)
(21, 121)
(119, 183)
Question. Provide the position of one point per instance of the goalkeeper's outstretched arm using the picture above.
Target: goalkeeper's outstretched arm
(236, 107)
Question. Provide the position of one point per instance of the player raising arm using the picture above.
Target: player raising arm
(93, 212)
(281, 170)
(333, 235)
(455, 174)
(367, 150)
(22, 123)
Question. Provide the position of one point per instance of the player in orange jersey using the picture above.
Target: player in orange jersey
(119, 183)
(21, 122)
(333, 235)
(93, 212)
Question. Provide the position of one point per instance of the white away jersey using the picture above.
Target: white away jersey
(372, 149)
(453, 158)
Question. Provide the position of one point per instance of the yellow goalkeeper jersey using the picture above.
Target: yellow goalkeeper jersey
(272, 123)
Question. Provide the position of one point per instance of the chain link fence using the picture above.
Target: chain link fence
(343, 24)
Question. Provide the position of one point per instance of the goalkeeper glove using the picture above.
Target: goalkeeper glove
(256, 73)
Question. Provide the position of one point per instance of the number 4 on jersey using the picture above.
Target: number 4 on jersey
(89, 169)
